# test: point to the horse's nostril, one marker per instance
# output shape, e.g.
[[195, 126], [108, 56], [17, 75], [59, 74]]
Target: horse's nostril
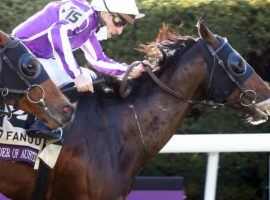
[[67, 109], [67, 112]]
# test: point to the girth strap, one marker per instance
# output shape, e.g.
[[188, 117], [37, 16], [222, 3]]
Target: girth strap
[[42, 182]]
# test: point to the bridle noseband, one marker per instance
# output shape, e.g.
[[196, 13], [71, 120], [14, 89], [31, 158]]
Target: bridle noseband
[[5, 91]]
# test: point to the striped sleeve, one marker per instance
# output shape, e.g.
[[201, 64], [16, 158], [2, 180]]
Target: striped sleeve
[[71, 18], [58, 37], [94, 54]]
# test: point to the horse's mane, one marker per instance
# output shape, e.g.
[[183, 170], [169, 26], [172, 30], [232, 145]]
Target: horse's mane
[[160, 53], [167, 44]]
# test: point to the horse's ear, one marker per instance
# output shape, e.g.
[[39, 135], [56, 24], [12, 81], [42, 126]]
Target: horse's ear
[[207, 35], [4, 39]]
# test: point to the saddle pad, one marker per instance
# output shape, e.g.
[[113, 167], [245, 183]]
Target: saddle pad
[[15, 145], [18, 153]]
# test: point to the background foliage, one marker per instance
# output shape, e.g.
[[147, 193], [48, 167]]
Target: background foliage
[[246, 24]]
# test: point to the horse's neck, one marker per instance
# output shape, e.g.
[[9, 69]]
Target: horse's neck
[[107, 136], [153, 113], [161, 114]]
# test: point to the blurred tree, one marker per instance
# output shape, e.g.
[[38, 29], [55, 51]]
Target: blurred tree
[[13, 12]]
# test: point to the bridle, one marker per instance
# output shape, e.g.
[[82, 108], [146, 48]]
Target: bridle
[[214, 59], [226, 60], [5, 91]]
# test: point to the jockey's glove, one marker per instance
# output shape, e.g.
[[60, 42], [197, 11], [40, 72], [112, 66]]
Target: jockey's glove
[[84, 81], [138, 70]]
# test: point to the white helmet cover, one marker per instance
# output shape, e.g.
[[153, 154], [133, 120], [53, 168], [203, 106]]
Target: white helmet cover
[[118, 6]]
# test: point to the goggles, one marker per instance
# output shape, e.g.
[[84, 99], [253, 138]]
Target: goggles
[[121, 20]]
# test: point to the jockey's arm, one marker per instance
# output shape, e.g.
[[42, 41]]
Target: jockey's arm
[[58, 37], [62, 50], [95, 55]]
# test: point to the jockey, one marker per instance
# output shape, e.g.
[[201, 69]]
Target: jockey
[[63, 26]]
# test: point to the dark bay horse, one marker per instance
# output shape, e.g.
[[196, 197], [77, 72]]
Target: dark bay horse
[[111, 140], [25, 84]]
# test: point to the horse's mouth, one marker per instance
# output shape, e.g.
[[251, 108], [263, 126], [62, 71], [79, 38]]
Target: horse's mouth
[[257, 117], [52, 120], [260, 113]]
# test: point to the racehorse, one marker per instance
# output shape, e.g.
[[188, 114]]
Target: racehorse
[[25, 84], [111, 139]]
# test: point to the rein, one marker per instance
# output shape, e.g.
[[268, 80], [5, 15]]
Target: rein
[[5, 91], [124, 90]]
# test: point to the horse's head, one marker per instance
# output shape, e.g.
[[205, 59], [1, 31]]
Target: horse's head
[[209, 71], [231, 79], [25, 84]]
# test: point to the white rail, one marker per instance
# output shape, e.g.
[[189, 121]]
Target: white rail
[[213, 144]]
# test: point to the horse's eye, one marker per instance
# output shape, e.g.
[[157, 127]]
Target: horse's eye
[[236, 64], [29, 66]]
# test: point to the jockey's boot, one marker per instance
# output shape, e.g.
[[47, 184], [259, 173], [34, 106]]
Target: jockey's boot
[[39, 129]]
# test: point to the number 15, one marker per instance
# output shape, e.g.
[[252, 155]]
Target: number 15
[[73, 16]]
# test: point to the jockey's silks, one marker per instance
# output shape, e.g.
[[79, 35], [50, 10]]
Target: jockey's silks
[[62, 27]]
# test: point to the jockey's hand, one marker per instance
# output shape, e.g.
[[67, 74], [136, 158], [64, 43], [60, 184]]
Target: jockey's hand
[[84, 82], [138, 70]]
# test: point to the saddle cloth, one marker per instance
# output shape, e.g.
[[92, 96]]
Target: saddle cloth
[[15, 145]]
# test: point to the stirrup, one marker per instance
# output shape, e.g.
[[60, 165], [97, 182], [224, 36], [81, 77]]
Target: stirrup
[[45, 134]]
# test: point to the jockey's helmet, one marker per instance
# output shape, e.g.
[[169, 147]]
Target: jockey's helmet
[[125, 8]]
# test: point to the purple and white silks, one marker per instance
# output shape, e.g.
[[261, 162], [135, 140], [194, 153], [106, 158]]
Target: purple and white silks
[[62, 27]]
